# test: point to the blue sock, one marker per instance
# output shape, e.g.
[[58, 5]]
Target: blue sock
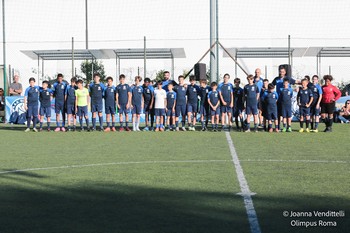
[[212, 126], [41, 124], [94, 122], [202, 124], [270, 126], [81, 122], [28, 122], [113, 124], [126, 123], [316, 125], [57, 124], [121, 124], [177, 123], [161, 125], [157, 126], [101, 121], [87, 122], [48, 124], [108, 124], [183, 123]]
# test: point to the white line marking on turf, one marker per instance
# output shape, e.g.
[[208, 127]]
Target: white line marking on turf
[[293, 161], [245, 191], [110, 164]]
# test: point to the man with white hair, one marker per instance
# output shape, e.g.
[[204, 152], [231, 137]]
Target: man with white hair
[[15, 87]]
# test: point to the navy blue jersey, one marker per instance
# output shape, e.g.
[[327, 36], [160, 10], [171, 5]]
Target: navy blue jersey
[[45, 97], [192, 94], [226, 90], [304, 96], [109, 95], [165, 84], [170, 99], [259, 83], [270, 100], [203, 94], [32, 94], [214, 98], [148, 92], [278, 82], [59, 91], [96, 92], [181, 95], [285, 96], [250, 94], [316, 91], [123, 93], [137, 93], [70, 93], [238, 94]]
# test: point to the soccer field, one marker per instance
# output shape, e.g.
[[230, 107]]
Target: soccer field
[[172, 181]]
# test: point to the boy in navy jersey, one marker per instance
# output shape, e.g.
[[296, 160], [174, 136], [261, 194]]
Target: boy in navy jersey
[[180, 107], [226, 97], [170, 110], [238, 105], [192, 103], [59, 93], [285, 98], [251, 97], [148, 98], [70, 103], [204, 109], [109, 96], [45, 96], [270, 98], [123, 95], [96, 93], [214, 103], [136, 103], [305, 98], [31, 97], [262, 103], [315, 108]]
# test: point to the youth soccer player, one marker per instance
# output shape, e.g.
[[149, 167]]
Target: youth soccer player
[[251, 97], [315, 108], [170, 110], [96, 93], [136, 103], [82, 101], [214, 103], [238, 105], [59, 93], [226, 97], [180, 108], [192, 103], [45, 97], [70, 103], [148, 99], [270, 98], [109, 96], [123, 95], [262, 106], [204, 109], [31, 97], [285, 98], [159, 106], [305, 98]]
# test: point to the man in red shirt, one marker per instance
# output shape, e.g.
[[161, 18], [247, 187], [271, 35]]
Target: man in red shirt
[[330, 95]]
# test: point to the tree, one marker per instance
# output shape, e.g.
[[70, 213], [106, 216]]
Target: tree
[[159, 75], [86, 68]]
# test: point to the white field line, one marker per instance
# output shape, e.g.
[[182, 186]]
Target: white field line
[[245, 191], [293, 161]]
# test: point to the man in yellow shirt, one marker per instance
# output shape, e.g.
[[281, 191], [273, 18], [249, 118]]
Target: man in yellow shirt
[[82, 101]]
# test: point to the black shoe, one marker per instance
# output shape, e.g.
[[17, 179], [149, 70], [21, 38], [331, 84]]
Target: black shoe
[[101, 129], [326, 130], [82, 130], [239, 129], [93, 129], [330, 129]]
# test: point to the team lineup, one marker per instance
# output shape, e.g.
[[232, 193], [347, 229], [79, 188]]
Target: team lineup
[[163, 103]]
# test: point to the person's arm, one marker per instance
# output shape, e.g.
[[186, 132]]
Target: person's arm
[[20, 89], [76, 104], [129, 104], [298, 98], [210, 104], [311, 100], [117, 99], [26, 99], [152, 99], [231, 93], [173, 108], [337, 94], [88, 99], [221, 98]]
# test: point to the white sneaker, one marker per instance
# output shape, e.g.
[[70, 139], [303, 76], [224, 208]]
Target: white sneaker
[[183, 129], [177, 129], [138, 129]]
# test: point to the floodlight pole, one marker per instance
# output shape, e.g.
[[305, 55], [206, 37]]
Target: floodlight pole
[[4, 47], [72, 57], [214, 33], [144, 57], [86, 25]]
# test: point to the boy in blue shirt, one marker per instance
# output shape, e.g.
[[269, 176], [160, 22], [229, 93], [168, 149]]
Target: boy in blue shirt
[[45, 96], [192, 103], [70, 103], [148, 98], [285, 98], [170, 110], [214, 103], [136, 103], [262, 106], [270, 98], [204, 108], [315, 108], [251, 97], [181, 101], [31, 97], [238, 105], [226, 97], [123, 95], [59, 93], [305, 98], [109, 96], [96, 93]]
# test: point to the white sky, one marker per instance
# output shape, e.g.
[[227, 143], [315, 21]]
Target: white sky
[[49, 24]]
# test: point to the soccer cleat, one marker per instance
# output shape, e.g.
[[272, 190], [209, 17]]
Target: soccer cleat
[[157, 129], [247, 131], [161, 129], [107, 129], [27, 130], [256, 130], [276, 130], [82, 129], [215, 130], [57, 129], [93, 129], [35, 130], [284, 130], [63, 129], [40, 129], [183, 129], [289, 129], [271, 130], [301, 130], [315, 131], [326, 130], [307, 130], [127, 129], [102, 129], [138, 129], [69, 130], [203, 129], [121, 129], [177, 129], [152, 129], [167, 130], [113, 129], [146, 129], [48, 130]]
